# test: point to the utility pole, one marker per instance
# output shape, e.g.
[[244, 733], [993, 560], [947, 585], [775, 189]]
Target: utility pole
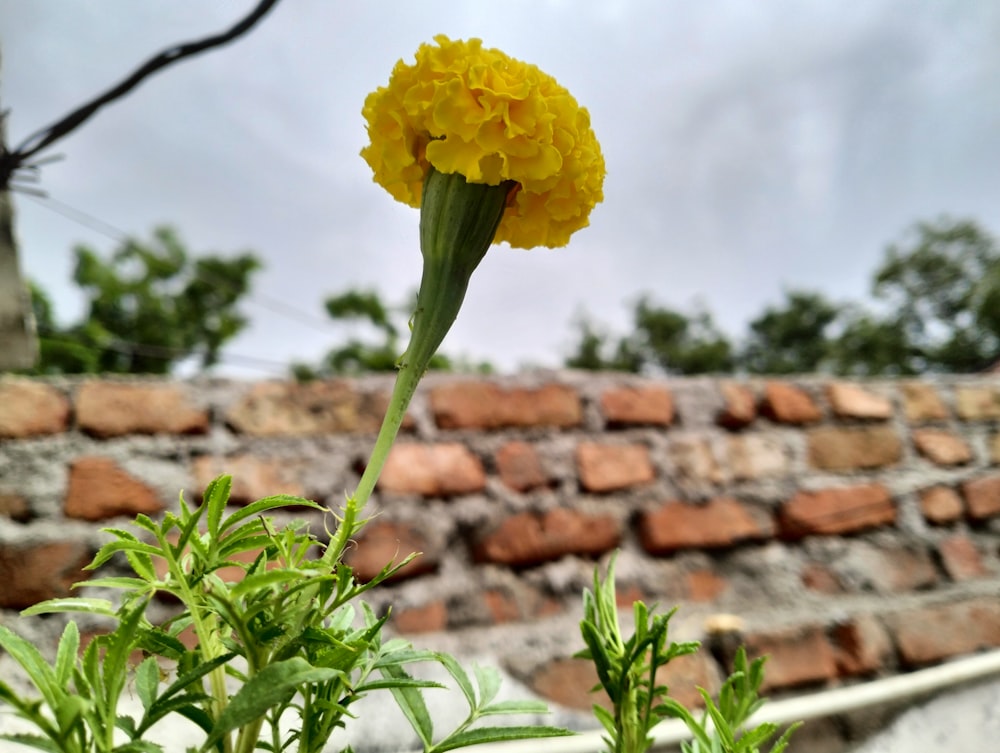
[[18, 341]]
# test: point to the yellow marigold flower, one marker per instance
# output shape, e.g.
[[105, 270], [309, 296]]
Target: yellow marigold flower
[[466, 109]]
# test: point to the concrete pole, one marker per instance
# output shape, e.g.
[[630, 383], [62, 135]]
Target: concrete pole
[[18, 341]]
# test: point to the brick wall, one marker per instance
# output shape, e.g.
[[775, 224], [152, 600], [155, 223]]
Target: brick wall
[[852, 528]]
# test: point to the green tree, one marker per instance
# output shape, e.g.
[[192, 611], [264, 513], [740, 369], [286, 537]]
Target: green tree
[[663, 339], [148, 307], [943, 292], [794, 338]]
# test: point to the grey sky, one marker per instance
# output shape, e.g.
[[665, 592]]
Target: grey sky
[[750, 146]]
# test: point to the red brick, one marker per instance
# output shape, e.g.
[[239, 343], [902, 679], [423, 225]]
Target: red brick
[[994, 445], [99, 489], [837, 510], [529, 539], [15, 507], [894, 569], [721, 522], [942, 447], [29, 409], [853, 401], [568, 682], [482, 405], [922, 403], [637, 406], [796, 656], [941, 504], [961, 559], [862, 646], [31, 573], [930, 634], [114, 409], [274, 409], [502, 606], [520, 468], [980, 403], [693, 459], [739, 406], [382, 542], [253, 477], [430, 618], [685, 674], [982, 496], [608, 467], [703, 585], [753, 456], [439, 470], [834, 448], [787, 404], [819, 578]]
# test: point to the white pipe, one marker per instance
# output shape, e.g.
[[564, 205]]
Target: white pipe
[[817, 705]]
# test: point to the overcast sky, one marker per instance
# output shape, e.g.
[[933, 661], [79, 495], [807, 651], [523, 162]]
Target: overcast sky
[[751, 147]]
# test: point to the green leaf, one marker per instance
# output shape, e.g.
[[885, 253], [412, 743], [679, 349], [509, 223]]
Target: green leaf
[[488, 680], [264, 580], [274, 685], [215, 498], [31, 660], [147, 680], [267, 503], [115, 582], [411, 703], [138, 746], [396, 682], [514, 707], [69, 645], [34, 741], [461, 678], [73, 604], [481, 735], [107, 551]]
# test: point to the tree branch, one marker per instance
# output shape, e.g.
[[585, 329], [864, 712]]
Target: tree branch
[[45, 137]]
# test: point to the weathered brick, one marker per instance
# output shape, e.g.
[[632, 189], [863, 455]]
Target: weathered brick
[[994, 445], [853, 401], [685, 674], [739, 406], [30, 409], [568, 682], [15, 507], [862, 646], [796, 656], [114, 409], [692, 459], [837, 510], [253, 477], [520, 468], [890, 569], [637, 406], [429, 618], [926, 635], [610, 467], [753, 456], [836, 448], [942, 447], [439, 470], [819, 578], [922, 403], [529, 539], [788, 404], [31, 573], [982, 497], [961, 559], [383, 541], [980, 403], [721, 522], [99, 488], [703, 585], [941, 504], [272, 409], [482, 405]]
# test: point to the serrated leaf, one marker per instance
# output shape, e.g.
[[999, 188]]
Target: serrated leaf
[[266, 579], [110, 549], [138, 746], [514, 707], [33, 741], [455, 669], [273, 685], [267, 503], [72, 604], [33, 663], [398, 682], [215, 498], [488, 680], [69, 645], [147, 680], [411, 703], [481, 735]]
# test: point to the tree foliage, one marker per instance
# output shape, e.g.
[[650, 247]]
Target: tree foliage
[[936, 309], [148, 307]]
